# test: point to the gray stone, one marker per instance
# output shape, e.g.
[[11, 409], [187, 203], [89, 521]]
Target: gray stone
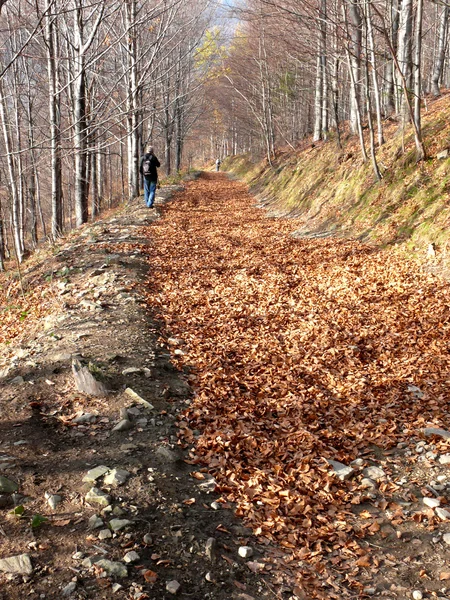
[[84, 418], [443, 154], [131, 557], [17, 565], [209, 485], [117, 511], [115, 569], [85, 382], [104, 534], [374, 473], [342, 471], [442, 513], [123, 425], [91, 560], [166, 455], [148, 539], [444, 459], [95, 522], [95, 473], [431, 502], [245, 551], [368, 484], [116, 588], [116, 477], [118, 524], [446, 538], [415, 391], [173, 587], [53, 500], [7, 486], [136, 398], [69, 589], [429, 431], [131, 371], [17, 380], [96, 496], [358, 462], [417, 595], [78, 556], [210, 548]]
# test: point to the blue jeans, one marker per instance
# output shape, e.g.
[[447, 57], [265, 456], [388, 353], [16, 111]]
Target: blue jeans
[[149, 191]]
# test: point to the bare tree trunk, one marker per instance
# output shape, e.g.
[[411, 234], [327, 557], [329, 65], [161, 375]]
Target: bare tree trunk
[[417, 65], [376, 89], [318, 98], [2, 244], [12, 173], [81, 46], [354, 56], [132, 101], [55, 122], [442, 45], [390, 95], [404, 56]]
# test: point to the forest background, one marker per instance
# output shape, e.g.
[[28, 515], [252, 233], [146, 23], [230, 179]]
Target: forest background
[[85, 86]]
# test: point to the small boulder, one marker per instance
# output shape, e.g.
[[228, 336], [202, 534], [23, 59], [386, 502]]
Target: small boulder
[[374, 472], [431, 502], [53, 500], [429, 431], [7, 486], [93, 474], [123, 425], [85, 382], [96, 496], [115, 569], [341, 471], [442, 513], [118, 524], [116, 477], [104, 534], [444, 459], [131, 557], [173, 587], [69, 589], [17, 565], [95, 522], [210, 548], [245, 551], [136, 398]]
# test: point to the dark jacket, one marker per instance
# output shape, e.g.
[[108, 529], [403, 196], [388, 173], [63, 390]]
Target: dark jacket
[[154, 163]]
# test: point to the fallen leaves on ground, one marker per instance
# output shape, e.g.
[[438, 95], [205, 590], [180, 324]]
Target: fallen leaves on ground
[[300, 351]]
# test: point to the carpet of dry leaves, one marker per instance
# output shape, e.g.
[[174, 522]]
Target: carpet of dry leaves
[[300, 350]]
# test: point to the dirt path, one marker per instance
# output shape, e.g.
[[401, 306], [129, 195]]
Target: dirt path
[[95, 495], [302, 352]]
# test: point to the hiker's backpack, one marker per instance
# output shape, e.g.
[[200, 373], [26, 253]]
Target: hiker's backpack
[[146, 166]]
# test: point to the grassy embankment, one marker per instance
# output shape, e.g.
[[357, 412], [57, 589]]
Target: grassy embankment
[[330, 189]]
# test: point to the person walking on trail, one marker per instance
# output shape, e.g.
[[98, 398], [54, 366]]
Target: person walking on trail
[[148, 169], [218, 164]]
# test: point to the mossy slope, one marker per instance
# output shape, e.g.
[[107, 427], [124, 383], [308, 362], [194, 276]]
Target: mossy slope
[[330, 189]]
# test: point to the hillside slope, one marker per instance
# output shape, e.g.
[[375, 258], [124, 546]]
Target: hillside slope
[[330, 189]]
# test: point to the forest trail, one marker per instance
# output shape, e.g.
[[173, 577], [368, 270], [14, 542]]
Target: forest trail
[[302, 352]]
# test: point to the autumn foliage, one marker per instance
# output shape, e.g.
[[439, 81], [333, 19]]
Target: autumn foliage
[[299, 351]]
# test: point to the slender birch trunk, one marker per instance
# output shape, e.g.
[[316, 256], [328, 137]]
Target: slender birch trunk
[[55, 121], [441, 51], [417, 71]]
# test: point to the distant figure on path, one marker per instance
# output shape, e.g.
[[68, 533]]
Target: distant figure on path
[[148, 169], [218, 164]]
